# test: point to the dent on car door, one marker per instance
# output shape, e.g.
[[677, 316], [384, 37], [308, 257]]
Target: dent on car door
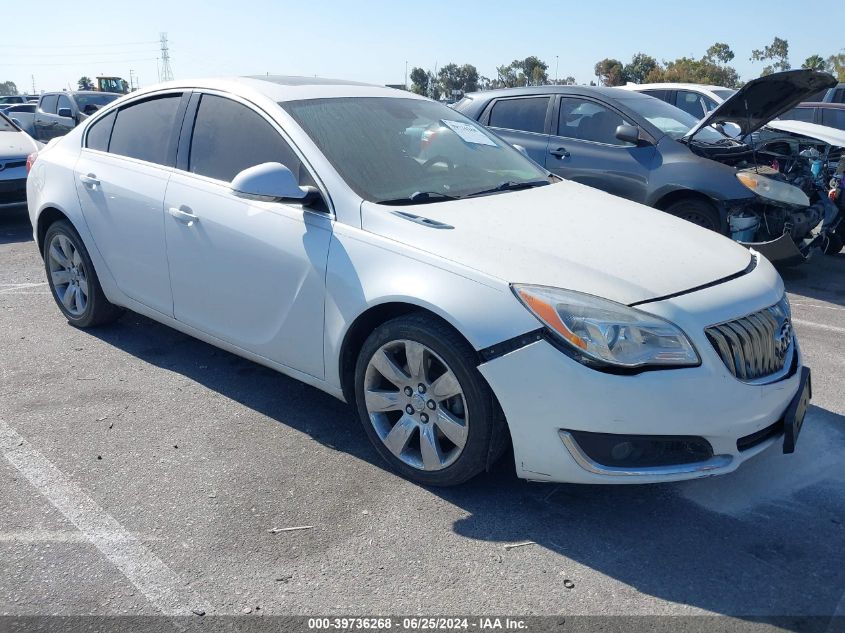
[[522, 121], [121, 178], [586, 150], [248, 272]]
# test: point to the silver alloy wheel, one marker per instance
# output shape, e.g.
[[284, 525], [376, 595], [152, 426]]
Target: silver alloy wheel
[[416, 405], [68, 275]]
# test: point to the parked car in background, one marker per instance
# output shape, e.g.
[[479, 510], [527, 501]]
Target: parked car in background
[[23, 114], [451, 289], [15, 148], [695, 99], [646, 150], [836, 94], [819, 112], [6, 99], [59, 112]]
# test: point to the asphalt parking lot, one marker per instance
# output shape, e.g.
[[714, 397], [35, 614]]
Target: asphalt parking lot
[[143, 472]]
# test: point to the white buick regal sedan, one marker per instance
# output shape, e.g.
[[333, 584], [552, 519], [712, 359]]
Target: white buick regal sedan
[[391, 252]]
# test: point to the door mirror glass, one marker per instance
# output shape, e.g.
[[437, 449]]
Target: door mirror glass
[[67, 113], [628, 133], [271, 181]]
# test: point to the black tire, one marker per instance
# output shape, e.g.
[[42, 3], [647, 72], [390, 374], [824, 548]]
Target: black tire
[[833, 244], [97, 309], [483, 414], [699, 212]]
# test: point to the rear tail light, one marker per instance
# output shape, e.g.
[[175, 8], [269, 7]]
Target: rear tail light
[[30, 161]]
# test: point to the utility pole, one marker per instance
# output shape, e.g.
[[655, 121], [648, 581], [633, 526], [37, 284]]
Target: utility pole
[[131, 80], [166, 71], [406, 74], [557, 62], [33, 85]]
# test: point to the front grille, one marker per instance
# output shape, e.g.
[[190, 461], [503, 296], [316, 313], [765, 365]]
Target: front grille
[[758, 345]]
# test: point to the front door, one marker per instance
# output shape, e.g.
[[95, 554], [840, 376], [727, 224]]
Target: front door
[[586, 150], [247, 272]]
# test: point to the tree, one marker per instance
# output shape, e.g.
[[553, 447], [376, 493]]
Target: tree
[[815, 62], [696, 71], [610, 72], [777, 52], [462, 79], [569, 81], [419, 81], [8, 88], [719, 52], [531, 71], [836, 65], [639, 68], [85, 83]]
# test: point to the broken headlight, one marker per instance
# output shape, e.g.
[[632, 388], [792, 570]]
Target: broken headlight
[[773, 190], [605, 333]]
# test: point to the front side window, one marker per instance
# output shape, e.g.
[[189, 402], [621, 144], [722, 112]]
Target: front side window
[[589, 121], [392, 148], [64, 102], [90, 103], [670, 120], [833, 117], [145, 130], [799, 114], [526, 115], [100, 132], [48, 104], [839, 95], [690, 102], [230, 137]]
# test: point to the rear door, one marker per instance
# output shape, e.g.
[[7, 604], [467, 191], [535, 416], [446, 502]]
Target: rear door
[[522, 121], [121, 178], [248, 272], [585, 149]]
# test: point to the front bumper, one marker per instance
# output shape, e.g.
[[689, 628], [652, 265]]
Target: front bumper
[[545, 394]]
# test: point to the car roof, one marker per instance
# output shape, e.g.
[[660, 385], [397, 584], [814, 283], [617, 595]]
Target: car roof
[[599, 91], [285, 88], [675, 86], [77, 92]]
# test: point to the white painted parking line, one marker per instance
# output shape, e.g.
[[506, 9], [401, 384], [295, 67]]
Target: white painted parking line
[[160, 584], [820, 326], [815, 305], [15, 288]]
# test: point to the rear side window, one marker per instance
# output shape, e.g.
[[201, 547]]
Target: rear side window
[[839, 95], [230, 137], [663, 95], [799, 114], [48, 104], [690, 102], [100, 132], [833, 117], [528, 115], [145, 130]]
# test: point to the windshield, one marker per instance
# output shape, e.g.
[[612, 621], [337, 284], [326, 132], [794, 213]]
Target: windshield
[[92, 102], [389, 149], [6, 125], [724, 94], [670, 120]]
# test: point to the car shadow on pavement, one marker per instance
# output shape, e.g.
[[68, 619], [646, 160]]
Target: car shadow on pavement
[[737, 545], [15, 226], [821, 278]]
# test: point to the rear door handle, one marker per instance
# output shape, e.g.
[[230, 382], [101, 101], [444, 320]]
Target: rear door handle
[[184, 215], [90, 180], [560, 152]]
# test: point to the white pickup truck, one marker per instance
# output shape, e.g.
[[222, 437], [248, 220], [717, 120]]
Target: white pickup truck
[[22, 114]]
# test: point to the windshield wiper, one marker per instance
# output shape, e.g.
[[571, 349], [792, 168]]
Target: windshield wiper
[[510, 185], [419, 197]]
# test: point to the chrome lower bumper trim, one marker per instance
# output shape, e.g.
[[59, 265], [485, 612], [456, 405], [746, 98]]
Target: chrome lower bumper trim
[[714, 463]]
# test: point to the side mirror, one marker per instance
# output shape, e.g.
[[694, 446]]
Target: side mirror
[[269, 181], [628, 133], [17, 122], [521, 150], [66, 113]]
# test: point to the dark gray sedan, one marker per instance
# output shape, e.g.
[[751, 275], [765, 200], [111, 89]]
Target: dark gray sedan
[[643, 149]]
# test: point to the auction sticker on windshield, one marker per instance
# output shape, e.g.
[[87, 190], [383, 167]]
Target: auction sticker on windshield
[[469, 133]]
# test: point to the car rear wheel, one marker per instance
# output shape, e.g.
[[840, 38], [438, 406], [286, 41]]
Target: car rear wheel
[[73, 280], [697, 211], [423, 403]]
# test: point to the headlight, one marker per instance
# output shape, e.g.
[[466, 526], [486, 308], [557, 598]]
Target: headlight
[[601, 332], [773, 190]]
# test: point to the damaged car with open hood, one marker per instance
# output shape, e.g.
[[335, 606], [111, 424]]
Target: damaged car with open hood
[[646, 150]]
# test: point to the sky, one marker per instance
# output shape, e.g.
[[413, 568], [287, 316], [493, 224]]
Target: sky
[[371, 41]]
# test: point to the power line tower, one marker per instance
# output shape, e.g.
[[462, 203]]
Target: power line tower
[[166, 71], [33, 84]]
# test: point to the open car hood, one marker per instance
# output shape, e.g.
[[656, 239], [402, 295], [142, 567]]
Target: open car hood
[[765, 98]]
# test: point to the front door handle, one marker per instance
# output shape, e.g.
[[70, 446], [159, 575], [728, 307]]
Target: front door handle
[[184, 215], [90, 180], [560, 152]]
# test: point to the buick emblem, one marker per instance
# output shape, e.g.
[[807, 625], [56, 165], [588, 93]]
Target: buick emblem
[[783, 339]]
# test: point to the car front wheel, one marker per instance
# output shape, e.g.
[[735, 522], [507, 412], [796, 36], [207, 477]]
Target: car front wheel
[[423, 403]]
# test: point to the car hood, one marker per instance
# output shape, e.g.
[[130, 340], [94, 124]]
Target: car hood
[[16, 144], [823, 133], [765, 98], [566, 235]]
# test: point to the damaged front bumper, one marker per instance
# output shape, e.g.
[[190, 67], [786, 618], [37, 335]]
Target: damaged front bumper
[[783, 251]]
